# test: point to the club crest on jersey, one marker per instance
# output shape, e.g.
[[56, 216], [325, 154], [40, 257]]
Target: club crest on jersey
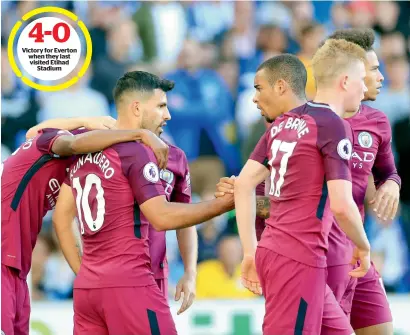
[[166, 176], [151, 172], [344, 149], [365, 139]]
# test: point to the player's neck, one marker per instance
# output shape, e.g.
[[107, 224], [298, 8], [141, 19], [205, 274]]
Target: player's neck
[[125, 124], [331, 98], [348, 115], [295, 102]]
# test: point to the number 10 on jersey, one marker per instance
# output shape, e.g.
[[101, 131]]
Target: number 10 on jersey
[[82, 202], [287, 149]]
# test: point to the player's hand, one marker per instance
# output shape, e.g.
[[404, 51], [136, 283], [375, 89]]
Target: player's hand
[[100, 122], [187, 286], [225, 185], [228, 201], [249, 275], [386, 201], [158, 146], [363, 257]]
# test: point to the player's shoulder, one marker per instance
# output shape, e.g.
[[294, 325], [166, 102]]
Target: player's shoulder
[[321, 113], [173, 147], [131, 149], [371, 112], [374, 114], [327, 122], [176, 151]]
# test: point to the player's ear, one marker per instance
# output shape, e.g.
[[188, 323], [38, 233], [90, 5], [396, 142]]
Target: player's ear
[[281, 87], [344, 82], [136, 108]]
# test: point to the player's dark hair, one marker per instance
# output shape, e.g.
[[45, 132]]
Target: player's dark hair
[[289, 68], [363, 37], [140, 81]]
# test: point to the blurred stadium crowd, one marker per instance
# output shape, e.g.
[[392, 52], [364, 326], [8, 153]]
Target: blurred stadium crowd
[[211, 50]]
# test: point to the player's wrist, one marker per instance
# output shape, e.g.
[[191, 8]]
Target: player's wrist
[[190, 272], [365, 249], [140, 134], [394, 181], [249, 254]]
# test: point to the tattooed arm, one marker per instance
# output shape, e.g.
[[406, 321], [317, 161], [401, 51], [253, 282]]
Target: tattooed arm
[[226, 185], [262, 207]]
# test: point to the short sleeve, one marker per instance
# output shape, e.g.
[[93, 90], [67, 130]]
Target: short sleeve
[[140, 167], [47, 137], [182, 188], [334, 140], [259, 154]]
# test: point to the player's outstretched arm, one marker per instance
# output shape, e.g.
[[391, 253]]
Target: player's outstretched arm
[[93, 141], [63, 218], [348, 217], [226, 185], [252, 174], [164, 215], [91, 123]]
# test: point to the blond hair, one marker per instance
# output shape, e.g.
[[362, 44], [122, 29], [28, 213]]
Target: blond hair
[[334, 57]]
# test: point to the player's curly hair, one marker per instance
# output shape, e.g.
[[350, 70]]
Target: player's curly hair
[[363, 37], [334, 57], [289, 68], [140, 81]]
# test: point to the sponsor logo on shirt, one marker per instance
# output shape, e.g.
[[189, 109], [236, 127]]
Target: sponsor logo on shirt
[[151, 172], [344, 149], [365, 139], [167, 176], [359, 158], [52, 195]]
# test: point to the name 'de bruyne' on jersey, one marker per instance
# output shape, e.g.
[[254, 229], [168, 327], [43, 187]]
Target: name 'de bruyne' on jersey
[[293, 124]]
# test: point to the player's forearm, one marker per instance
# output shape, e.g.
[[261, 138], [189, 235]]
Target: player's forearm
[[94, 141], [262, 206], [69, 244], [349, 219], [385, 169], [245, 204], [188, 247], [165, 215], [63, 123]]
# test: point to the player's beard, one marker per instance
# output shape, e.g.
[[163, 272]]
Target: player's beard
[[269, 120]]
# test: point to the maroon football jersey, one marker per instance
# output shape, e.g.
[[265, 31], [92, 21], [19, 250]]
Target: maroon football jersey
[[30, 184], [307, 147], [372, 153], [177, 184], [109, 186]]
